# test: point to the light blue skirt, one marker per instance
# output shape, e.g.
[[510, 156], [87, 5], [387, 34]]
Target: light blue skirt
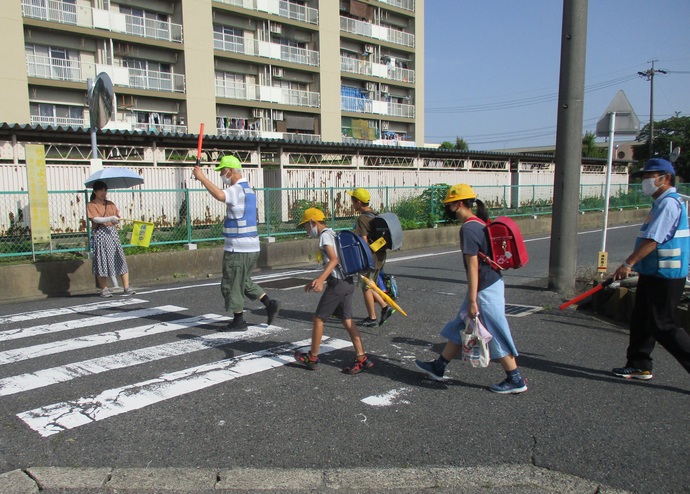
[[492, 312]]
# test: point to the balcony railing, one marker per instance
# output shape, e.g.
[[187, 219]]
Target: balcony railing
[[68, 13], [362, 67], [401, 4], [58, 121], [157, 81], [365, 105], [282, 8], [252, 47], [51, 10], [45, 67], [376, 31], [255, 92], [269, 135], [174, 129]]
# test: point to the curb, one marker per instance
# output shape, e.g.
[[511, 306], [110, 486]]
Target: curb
[[525, 478]]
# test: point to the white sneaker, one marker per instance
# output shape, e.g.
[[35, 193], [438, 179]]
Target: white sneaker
[[105, 293], [129, 291]]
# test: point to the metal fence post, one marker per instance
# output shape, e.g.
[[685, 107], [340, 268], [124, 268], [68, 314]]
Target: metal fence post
[[189, 216]]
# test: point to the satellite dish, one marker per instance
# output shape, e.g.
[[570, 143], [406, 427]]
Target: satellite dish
[[674, 154], [101, 101]]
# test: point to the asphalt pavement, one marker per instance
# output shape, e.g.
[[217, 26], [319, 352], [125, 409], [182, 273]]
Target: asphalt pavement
[[263, 423]]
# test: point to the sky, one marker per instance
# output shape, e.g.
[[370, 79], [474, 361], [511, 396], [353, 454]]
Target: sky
[[492, 67]]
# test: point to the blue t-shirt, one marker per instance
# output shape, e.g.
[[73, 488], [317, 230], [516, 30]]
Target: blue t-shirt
[[473, 240]]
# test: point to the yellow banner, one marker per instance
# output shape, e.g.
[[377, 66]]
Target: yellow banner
[[38, 193]]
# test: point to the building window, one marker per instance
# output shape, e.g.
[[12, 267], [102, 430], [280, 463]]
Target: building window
[[228, 39], [145, 23]]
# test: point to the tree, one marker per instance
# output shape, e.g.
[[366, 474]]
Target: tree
[[674, 130], [590, 148], [460, 145]]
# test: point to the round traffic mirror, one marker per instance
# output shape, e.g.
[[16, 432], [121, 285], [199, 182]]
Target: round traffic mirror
[[101, 101]]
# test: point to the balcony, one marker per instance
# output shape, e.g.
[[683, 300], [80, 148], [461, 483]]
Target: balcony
[[255, 92], [167, 128], [365, 105], [401, 4], [291, 136], [255, 48], [144, 78], [58, 121], [67, 13], [281, 8], [376, 31], [58, 69], [362, 67]]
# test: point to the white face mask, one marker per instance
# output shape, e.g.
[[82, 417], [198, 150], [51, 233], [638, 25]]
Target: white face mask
[[649, 186], [313, 231], [226, 179]]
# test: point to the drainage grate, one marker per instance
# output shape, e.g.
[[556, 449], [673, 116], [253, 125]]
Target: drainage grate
[[285, 283], [521, 310]]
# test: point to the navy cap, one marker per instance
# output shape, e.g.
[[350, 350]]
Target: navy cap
[[656, 165]]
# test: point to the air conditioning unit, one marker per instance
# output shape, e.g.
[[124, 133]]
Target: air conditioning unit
[[276, 28], [278, 115], [385, 125], [277, 72], [258, 113], [384, 88], [371, 86], [368, 49]]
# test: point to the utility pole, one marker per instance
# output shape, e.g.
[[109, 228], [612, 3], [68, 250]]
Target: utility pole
[[649, 75], [566, 190]]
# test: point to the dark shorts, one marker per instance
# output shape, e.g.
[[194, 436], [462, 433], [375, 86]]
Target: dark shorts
[[336, 299]]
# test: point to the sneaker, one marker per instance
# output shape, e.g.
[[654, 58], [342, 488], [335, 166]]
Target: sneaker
[[429, 369], [235, 325], [509, 387], [367, 322], [359, 366], [272, 311], [307, 360], [105, 293], [386, 312], [129, 291], [633, 373]]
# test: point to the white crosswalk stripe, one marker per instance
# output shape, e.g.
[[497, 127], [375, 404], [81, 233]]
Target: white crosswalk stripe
[[51, 419], [14, 334], [76, 309], [71, 413]]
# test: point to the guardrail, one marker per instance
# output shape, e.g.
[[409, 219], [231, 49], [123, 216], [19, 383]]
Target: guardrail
[[191, 216]]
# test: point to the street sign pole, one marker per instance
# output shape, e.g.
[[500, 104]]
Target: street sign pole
[[609, 165]]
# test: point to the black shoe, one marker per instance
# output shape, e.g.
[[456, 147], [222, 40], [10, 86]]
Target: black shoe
[[367, 322], [235, 325], [272, 311], [386, 313]]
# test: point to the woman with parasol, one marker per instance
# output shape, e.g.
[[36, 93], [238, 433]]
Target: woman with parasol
[[108, 256]]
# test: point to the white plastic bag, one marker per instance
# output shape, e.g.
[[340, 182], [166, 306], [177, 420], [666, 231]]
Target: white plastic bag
[[475, 343]]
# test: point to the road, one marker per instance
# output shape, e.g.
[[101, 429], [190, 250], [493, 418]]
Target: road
[[148, 381]]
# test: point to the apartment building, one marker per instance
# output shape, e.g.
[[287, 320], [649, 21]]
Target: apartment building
[[312, 70]]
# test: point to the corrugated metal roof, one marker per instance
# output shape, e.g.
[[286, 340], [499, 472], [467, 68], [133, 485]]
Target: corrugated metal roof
[[55, 134]]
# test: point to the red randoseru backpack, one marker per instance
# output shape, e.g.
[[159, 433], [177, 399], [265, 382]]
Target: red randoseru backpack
[[508, 250]]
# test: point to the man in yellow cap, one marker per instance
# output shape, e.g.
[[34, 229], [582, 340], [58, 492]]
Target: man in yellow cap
[[241, 241], [337, 296], [364, 228]]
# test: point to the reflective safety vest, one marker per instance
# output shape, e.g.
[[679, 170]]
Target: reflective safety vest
[[246, 225], [669, 259]]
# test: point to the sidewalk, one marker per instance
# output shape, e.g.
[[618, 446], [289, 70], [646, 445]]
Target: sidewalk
[[488, 480]]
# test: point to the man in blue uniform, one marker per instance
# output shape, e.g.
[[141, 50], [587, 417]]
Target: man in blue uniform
[[662, 251], [241, 241]]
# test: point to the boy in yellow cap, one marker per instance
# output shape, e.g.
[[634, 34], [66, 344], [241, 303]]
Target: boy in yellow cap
[[364, 228], [337, 296], [241, 249]]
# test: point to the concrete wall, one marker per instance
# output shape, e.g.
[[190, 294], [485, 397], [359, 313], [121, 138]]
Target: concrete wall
[[65, 278]]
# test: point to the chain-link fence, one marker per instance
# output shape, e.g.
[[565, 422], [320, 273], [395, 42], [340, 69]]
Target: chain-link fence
[[192, 216]]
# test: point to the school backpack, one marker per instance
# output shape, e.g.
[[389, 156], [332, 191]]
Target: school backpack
[[386, 227], [508, 250], [354, 255]]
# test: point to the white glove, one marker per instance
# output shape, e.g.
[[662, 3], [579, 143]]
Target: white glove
[[114, 219]]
